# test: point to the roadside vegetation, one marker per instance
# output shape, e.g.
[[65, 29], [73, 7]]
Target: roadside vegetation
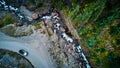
[[98, 26], [7, 19], [13, 60]]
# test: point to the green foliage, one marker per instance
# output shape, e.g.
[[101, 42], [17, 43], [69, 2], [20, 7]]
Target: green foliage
[[7, 20], [74, 12], [91, 42], [89, 13], [110, 17], [114, 30], [98, 31], [1, 24], [114, 60], [97, 10], [59, 4], [37, 26], [32, 1]]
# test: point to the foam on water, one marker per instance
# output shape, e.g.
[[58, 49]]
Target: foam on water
[[11, 8]]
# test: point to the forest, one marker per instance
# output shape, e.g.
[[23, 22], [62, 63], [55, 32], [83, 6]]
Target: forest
[[98, 25]]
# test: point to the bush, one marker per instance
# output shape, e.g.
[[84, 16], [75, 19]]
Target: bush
[[7, 20]]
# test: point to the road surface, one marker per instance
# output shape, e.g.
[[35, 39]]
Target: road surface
[[38, 57]]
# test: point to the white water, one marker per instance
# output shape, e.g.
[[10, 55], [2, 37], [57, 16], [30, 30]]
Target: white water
[[80, 51], [6, 7], [11, 8], [46, 17], [69, 39]]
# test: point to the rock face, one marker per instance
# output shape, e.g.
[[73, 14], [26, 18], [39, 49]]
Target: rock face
[[35, 16], [44, 12], [26, 13], [14, 31]]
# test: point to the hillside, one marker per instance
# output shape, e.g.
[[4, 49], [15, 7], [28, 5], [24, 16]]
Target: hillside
[[98, 25]]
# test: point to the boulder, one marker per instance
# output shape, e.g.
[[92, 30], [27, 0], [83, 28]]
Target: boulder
[[35, 16]]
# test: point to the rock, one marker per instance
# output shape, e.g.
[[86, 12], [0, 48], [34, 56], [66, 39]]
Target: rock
[[62, 29], [8, 30], [55, 13], [19, 24], [23, 31], [27, 14], [44, 12], [17, 31], [35, 16]]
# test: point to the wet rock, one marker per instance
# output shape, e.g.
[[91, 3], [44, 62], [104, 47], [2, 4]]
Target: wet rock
[[44, 12], [25, 12], [19, 24], [55, 14], [62, 29]]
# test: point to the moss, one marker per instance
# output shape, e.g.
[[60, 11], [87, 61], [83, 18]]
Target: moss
[[37, 26], [7, 20], [49, 32]]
